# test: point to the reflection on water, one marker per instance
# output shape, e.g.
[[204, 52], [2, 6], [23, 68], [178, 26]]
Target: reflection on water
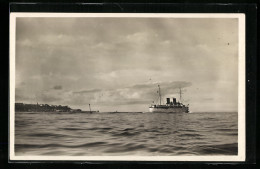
[[79, 134]]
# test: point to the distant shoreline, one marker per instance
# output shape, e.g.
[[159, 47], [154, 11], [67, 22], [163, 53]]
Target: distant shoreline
[[22, 107]]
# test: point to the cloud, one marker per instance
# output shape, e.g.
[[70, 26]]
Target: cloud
[[87, 91], [207, 99], [20, 97], [136, 94], [44, 98], [58, 87]]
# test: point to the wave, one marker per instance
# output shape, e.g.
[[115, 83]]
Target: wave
[[126, 133], [226, 149], [47, 135], [91, 144], [190, 135]]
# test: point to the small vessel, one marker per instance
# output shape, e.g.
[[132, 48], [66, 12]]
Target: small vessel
[[170, 106]]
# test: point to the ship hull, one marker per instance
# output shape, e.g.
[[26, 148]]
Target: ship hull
[[169, 110]]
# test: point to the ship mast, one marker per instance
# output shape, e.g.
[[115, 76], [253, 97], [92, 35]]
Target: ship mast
[[89, 108], [180, 95], [159, 93]]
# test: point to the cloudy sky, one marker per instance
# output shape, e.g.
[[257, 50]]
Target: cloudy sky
[[117, 63]]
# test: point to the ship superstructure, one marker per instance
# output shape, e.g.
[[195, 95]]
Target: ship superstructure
[[170, 106]]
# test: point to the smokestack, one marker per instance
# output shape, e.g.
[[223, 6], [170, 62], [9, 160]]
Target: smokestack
[[174, 100], [168, 100]]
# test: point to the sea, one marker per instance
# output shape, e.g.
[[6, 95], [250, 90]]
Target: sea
[[126, 134]]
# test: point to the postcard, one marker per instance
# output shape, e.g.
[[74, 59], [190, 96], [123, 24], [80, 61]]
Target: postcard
[[127, 87]]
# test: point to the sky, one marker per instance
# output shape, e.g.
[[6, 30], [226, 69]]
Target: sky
[[116, 64]]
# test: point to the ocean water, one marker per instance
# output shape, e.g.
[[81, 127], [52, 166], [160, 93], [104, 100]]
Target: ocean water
[[149, 134]]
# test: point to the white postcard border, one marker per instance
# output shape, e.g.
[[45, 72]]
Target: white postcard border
[[241, 89]]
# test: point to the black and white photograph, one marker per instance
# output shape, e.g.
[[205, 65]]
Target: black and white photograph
[[127, 87]]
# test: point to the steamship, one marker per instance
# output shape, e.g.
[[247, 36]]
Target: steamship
[[169, 107]]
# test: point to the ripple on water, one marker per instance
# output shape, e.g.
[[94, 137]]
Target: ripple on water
[[126, 134]]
